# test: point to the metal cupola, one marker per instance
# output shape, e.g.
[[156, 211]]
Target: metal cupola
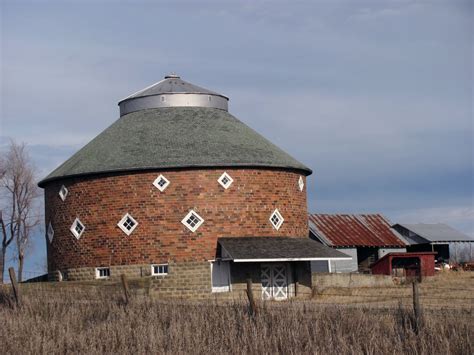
[[172, 91]]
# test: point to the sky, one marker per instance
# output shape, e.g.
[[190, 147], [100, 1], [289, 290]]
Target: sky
[[375, 96]]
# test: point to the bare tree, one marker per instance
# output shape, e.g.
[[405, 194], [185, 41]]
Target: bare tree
[[19, 210]]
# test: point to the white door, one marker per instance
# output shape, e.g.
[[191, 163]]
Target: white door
[[274, 281], [220, 276]]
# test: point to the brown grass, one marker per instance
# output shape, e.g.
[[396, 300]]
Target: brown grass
[[96, 321]]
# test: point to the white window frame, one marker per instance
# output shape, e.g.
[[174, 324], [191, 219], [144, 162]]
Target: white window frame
[[50, 232], [73, 228], [123, 220], [97, 272], [280, 217], [301, 183], [228, 177], [63, 191], [153, 273], [195, 228], [157, 180]]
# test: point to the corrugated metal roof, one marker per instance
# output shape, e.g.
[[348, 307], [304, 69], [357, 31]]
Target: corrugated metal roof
[[437, 232], [344, 230]]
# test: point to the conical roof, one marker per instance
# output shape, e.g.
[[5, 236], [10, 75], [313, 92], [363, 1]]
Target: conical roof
[[172, 83], [172, 91], [174, 137]]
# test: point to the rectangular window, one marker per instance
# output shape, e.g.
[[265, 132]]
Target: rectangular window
[[161, 269], [220, 276], [102, 273]]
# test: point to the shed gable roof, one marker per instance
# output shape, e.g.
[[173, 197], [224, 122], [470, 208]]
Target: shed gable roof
[[345, 230], [242, 249]]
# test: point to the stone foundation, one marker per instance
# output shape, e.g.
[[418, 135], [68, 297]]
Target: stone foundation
[[192, 280]]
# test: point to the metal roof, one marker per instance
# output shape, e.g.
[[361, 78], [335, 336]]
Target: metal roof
[[171, 84], [346, 230], [175, 137], [260, 249], [172, 91], [436, 232]]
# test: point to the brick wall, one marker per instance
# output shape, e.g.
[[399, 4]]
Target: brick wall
[[160, 237]]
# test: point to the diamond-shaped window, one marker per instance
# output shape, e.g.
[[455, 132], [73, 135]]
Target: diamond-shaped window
[[50, 232], [276, 219], [161, 183], [127, 224], [225, 180], [192, 221], [301, 183], [77, 228], [63, 191]]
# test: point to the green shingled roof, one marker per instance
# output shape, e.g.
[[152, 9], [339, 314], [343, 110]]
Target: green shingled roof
[[175, 137]]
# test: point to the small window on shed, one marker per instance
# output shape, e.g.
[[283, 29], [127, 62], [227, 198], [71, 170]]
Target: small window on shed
[[50, 232], [225, 180], [127, 224], [159, 269], [77, 228], [192, 221], [102, 273], [161, 183], [276, 219], [301, 183], [63, 191]]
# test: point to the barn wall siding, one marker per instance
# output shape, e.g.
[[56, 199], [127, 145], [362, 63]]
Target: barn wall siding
[[345, 265], [319, 266], [160, 237]]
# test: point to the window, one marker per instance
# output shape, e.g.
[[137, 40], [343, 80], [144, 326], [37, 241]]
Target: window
[[225, 180], [50, 232], [102, 273], [63, 191], [276, 219], [77, 228], [160, 269], [161, 183], [127, 224], [192, 221], [301, 183]]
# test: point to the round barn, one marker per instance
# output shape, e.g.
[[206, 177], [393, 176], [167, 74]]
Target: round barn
[[179, 190]]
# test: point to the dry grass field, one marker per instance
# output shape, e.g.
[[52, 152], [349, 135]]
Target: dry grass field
[[96, 321]]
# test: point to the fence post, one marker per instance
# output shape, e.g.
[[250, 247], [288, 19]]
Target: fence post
[[125, 288], [417, 307], [253, 306], [16, 291]]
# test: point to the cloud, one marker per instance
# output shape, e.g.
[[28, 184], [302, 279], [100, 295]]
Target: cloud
[[375, 97]]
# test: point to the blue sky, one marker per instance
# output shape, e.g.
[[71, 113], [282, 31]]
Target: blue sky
[[375, 96]]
